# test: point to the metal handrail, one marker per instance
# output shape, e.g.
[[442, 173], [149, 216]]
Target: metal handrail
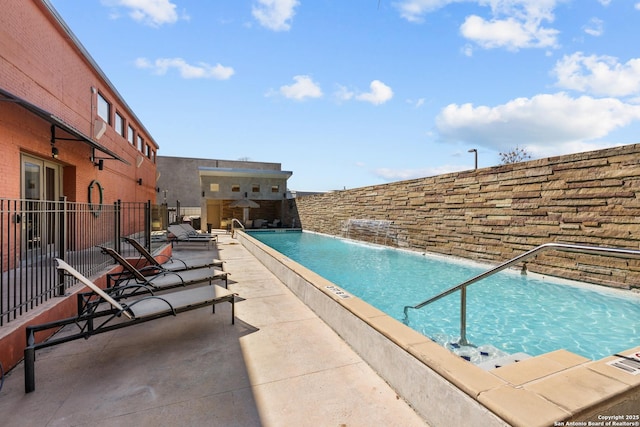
[[462, 287], [233, 229]]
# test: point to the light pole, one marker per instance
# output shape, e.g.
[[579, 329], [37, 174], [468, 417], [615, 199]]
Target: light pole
[[475, 152]]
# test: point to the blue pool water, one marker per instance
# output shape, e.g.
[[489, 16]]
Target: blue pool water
[[508, 311]]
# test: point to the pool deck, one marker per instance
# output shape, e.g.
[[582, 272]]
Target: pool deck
[[279, 365]]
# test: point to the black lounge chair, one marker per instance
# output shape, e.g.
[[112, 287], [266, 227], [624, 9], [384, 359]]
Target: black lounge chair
[[156, 278], [171, 264], [93, 318]]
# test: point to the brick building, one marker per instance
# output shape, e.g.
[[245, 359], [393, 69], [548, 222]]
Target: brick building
[[65, 132], [64, 128]]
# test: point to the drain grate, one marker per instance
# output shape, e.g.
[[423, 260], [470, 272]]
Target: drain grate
[[629, 363]]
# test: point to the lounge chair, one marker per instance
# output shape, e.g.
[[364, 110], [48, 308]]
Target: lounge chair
[[156, 278], [178, 233], [93, 318], [193, 232], [171, 264]]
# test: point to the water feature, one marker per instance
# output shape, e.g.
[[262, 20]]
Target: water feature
[[508, 311], [368, 230]]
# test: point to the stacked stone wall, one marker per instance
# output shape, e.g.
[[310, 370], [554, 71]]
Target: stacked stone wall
[[494, 214]]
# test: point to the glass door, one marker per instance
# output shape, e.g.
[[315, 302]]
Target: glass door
[[40, 191]]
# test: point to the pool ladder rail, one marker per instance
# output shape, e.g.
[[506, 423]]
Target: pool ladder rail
[[462, 287], [233, 227]]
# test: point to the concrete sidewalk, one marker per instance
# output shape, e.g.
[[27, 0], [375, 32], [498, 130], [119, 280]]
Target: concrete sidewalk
[[279, 365]]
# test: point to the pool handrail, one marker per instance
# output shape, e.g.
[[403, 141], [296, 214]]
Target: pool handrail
[[233, 229], [462, 287]]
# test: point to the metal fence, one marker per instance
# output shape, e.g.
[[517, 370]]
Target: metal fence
[[33, 233]]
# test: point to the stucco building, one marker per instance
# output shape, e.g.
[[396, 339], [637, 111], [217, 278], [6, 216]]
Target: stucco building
[[214, 191]]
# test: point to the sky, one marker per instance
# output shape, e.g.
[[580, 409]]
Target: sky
[[352, 93]]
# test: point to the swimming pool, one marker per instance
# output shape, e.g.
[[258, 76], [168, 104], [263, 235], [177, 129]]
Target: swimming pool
[[510, 312]]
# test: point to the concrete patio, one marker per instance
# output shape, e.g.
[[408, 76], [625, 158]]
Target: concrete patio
[[279, 365]]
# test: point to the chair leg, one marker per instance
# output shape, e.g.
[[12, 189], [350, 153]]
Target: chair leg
[[29, 369]]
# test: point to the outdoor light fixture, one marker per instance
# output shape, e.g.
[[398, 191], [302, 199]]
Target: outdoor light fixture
[[139, 181], [473, 150], [54, 151], [99, 164]]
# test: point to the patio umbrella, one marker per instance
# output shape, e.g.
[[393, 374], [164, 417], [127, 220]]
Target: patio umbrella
[[245, 204]]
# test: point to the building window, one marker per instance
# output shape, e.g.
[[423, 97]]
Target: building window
[[147, 151], [214, 188], [140, 144], [235, 188], [119, 124], [255, 188], [275, 188], [104, 109], [131, 135]]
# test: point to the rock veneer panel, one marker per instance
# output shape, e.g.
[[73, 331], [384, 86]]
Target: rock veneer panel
[[494, 214]]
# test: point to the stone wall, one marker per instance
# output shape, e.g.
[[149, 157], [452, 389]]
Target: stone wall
[[494, 214]]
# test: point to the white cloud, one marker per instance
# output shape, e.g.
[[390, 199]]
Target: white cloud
[[304, 87], [379, 93], [513, 24], [343, 93], [149, 12], [637, 6], [595, 27], [199, 71], [547, 124], [415, 10], [599, 75], [275, 15]]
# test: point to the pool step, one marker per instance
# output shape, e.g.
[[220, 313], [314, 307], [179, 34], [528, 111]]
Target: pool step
[[485, 356], [503, 361]]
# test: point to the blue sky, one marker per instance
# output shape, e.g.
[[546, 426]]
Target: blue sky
[[349, 93]]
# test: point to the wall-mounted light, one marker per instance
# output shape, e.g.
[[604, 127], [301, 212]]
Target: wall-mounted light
[[139, 181], [54, 151], [99, 164]]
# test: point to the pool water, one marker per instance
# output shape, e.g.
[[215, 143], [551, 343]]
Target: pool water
[[508, 311]]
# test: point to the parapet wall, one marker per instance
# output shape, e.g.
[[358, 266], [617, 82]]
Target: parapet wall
[[494, 214]]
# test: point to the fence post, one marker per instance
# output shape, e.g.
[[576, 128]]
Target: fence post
[[117, 224], [62, 242], [147, 225]]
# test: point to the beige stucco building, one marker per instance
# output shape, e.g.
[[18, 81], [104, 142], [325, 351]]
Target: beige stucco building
[[209, 189]]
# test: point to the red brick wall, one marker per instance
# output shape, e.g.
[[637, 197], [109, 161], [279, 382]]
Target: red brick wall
[[40, 65]]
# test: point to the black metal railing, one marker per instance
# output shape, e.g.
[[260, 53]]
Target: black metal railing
[[33, 233]]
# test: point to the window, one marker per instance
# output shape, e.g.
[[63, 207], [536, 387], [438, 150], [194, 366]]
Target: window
[[104, 109], [131, 135], [147, 151], [140, 144], [214, 187], [275, 188], [235, 188], [119, 124], [255, 188]]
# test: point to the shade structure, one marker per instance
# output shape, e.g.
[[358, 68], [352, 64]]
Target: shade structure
[[245, 204]]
